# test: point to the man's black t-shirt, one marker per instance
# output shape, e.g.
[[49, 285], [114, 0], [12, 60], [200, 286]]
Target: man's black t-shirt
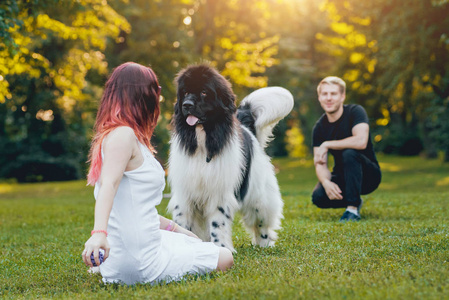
[[323, 130]]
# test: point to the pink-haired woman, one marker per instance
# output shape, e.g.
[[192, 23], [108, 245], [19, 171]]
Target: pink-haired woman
[[139, 245]]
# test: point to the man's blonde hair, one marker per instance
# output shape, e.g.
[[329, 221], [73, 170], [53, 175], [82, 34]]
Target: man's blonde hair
[[333, 80]]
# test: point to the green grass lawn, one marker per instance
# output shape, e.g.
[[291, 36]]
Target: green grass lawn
[[400, 249]]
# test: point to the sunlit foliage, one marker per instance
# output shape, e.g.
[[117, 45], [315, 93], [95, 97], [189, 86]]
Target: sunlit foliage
[[85, 25], [55, 57], [396, 60], [46, 58]]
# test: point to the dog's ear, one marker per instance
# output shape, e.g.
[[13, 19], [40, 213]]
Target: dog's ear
[[176, 108], [179, 84], [225, 94], [178, 81], [228, 99]]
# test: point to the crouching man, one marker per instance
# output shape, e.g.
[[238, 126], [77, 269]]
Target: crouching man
[[343, 131]]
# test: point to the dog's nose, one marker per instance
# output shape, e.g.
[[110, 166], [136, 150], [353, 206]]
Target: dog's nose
[[187, 104]]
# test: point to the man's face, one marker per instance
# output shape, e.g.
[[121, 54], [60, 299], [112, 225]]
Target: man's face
[[330, 97]]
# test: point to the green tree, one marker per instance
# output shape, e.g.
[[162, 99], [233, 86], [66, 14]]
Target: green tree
[[302, 64], [50, 50], [396, 59]]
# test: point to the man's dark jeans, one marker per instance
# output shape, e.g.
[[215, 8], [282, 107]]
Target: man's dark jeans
[[359, 176]]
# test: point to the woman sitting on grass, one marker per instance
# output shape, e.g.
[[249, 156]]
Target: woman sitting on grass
[[139, 245]]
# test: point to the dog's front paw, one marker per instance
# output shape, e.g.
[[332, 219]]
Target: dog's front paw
[[264, 241]]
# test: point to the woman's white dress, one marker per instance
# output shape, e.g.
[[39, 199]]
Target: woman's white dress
[[140, 251]]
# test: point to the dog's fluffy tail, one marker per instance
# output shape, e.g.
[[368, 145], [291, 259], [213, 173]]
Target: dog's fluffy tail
[[261, 110]]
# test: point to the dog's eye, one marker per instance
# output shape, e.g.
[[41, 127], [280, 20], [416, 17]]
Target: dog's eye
[[203, 93]]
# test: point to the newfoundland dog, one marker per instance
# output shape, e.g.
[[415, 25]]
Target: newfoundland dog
[[217, 162]]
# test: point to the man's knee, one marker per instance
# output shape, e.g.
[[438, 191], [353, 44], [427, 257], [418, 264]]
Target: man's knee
[[318, 199], [350, 155]]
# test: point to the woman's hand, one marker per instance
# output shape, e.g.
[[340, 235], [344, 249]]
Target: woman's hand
[[96, 242], [182, 230], [167, 224]]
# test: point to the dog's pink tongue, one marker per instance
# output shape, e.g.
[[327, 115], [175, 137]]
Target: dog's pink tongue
[[191, 120]]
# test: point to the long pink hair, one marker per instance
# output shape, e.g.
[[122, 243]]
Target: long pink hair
[[130, 98]]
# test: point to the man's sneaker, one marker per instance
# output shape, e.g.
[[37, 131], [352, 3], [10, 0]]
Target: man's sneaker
[[349, 216]]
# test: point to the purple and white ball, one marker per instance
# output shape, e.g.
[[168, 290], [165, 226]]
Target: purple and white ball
[[100, 257]]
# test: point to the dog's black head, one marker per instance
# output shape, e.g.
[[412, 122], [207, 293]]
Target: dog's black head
[[203, 94], [204, 97]]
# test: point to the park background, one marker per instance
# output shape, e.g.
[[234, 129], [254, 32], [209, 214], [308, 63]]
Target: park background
[[55, 57]]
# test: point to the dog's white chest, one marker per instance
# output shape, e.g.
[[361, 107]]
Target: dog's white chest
[[194, 175]]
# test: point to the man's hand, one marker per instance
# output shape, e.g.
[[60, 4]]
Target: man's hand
[[320, 154], [333, 191]]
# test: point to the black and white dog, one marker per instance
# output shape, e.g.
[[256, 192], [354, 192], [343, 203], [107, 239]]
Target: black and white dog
[[217, 162]]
